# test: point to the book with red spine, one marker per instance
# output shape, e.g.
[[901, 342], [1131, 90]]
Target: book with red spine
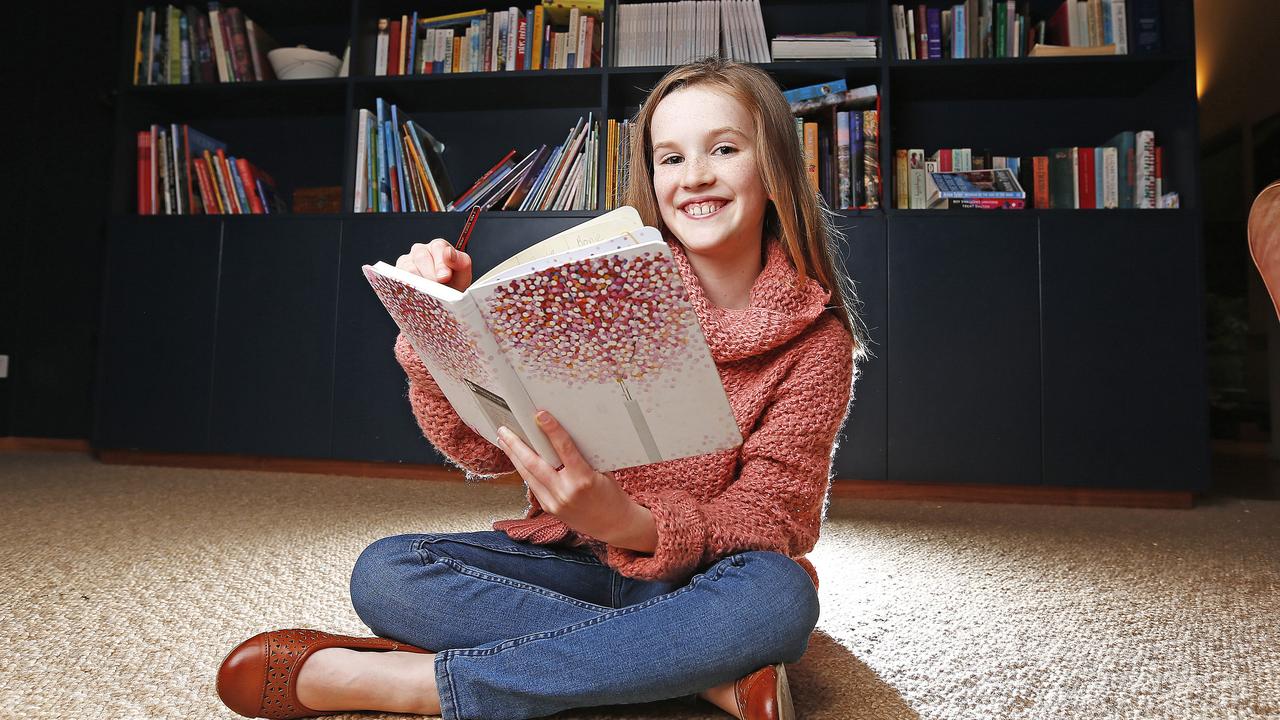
[[945, 160], [393, 48], [208, 193], [986, 204], [483, 179], [1087, 181], [522, 42], [240, 45], [1040, 170], [144, 172], [246, 177]]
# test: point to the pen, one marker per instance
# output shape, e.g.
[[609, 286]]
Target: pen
[[461, 245]]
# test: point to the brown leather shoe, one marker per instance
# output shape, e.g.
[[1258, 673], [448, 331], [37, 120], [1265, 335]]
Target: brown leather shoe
[[259, 678], [764, 695]]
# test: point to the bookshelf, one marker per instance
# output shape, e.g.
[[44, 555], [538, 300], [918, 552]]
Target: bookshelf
[[1034, 347]]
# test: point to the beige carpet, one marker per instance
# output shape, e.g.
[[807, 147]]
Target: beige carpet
[[125, 586]]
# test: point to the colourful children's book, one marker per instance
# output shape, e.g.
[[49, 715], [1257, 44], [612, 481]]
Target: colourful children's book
[[593, 325]]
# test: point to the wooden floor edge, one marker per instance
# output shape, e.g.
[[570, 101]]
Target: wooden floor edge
[[861, 489], [38, 444]]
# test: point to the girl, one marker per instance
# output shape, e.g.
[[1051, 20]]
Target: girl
[[680, 577]]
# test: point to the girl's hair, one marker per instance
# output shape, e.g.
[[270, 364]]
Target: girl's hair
[[796, 215]]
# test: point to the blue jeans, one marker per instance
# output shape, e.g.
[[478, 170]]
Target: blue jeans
[[523, 630]]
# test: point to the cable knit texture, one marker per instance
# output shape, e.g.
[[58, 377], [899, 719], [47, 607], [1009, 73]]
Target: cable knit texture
[[787, 367]]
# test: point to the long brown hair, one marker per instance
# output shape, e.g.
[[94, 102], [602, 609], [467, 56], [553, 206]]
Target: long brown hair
[[808, 232]]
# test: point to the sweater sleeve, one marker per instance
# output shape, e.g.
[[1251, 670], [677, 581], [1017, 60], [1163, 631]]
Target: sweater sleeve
[[778, 500], [440, 423]]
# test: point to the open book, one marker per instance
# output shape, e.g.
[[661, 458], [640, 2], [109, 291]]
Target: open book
[[593, 325]]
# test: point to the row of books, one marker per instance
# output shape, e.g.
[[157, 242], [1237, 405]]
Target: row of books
[[182, 171], [839, 131], [180, 47], [997, 29], [670, 33], [1125, 172], [618, 165], [481, 41], [399, 168]]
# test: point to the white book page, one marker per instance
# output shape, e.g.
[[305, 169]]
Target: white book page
[[611, 224], [622, 363], [445, 328]]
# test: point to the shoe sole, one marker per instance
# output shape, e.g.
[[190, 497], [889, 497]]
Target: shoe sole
[[786, 711]]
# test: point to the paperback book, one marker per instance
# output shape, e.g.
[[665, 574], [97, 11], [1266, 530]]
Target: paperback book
[[593, 325]]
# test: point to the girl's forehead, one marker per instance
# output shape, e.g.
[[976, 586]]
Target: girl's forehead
[[699, 109]]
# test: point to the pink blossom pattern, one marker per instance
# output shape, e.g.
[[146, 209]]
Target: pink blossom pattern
[[595, 320], [453, 345]]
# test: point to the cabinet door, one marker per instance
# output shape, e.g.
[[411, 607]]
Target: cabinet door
[[273, 365], [156, 351], [1125, 402], [964, 349], [861, 454], [372, 419]]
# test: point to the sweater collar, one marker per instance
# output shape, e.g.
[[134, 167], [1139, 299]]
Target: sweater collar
[[780, 309]]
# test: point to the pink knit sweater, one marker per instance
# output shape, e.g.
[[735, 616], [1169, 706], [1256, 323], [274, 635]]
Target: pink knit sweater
[[787, 367]]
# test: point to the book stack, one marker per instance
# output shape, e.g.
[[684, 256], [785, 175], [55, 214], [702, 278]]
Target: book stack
[[996, 29], [1127, 171], [670, 33], [179, 47], [399, 169], [550, 36], [617, 166], [825, 46], [839, 131], [182, 171]]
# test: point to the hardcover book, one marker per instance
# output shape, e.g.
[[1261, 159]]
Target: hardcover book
[[992, 183], [593, 325]]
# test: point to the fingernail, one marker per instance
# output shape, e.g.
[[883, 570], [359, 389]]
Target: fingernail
[[544, 417]]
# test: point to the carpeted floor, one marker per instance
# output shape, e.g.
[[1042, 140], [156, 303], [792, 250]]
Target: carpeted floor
[[125, 586]]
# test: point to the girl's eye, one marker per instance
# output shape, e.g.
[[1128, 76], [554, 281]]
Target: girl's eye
[[730, 148], [667, 158]]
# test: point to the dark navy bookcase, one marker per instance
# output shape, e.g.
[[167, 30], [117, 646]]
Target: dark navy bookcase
[[1060, 348]]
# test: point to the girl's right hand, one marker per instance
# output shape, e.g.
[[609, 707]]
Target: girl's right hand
[[438, 261]]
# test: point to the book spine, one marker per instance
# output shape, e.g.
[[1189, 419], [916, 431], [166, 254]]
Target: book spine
[[144, 172], [1110, 177], [240, 45], [811, 154], [246, 183], [916, 178], [842, 158], [871, 155], [393, 172], [208, 195], [984, 204], [1040, 184], [1086, 186], [857, 193], [537, 30], [242, 197], [1145, 181], [934, 18]]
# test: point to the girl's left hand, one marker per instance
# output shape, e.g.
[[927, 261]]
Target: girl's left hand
[[588, 501]]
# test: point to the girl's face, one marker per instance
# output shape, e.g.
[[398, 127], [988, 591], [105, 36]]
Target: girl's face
[[705, 178]]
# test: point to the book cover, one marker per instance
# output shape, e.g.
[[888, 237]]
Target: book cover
[[812, 92], [1061, 179], [545, 334], [917, 187], [1145, 167], [871, 157], [1040, 175], [992, 183]]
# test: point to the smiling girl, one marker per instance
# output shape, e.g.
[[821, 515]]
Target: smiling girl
[[680, 578]]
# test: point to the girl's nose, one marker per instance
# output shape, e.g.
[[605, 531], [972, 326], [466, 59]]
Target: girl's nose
[[696, 172]]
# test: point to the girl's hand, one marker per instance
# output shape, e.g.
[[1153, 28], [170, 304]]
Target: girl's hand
[[588, 501], [438, 261]]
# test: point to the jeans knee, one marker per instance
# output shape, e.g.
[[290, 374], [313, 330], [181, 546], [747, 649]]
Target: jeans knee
[[793, 607], [373, 576]]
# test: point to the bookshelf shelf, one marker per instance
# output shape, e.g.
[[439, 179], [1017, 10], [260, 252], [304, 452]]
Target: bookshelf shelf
[[1010, 346]]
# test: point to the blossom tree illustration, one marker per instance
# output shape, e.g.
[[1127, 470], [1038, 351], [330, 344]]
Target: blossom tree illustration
[[433, 329], [617, 320]]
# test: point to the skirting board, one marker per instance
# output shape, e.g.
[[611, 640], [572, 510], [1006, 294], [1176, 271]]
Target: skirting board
[[864, 489], [37, 444]]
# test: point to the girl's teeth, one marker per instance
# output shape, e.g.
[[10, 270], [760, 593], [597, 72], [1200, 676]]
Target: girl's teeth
[[700, 209]]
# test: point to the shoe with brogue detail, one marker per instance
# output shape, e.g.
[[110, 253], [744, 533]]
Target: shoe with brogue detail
[[259, 678], [764, 695]]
